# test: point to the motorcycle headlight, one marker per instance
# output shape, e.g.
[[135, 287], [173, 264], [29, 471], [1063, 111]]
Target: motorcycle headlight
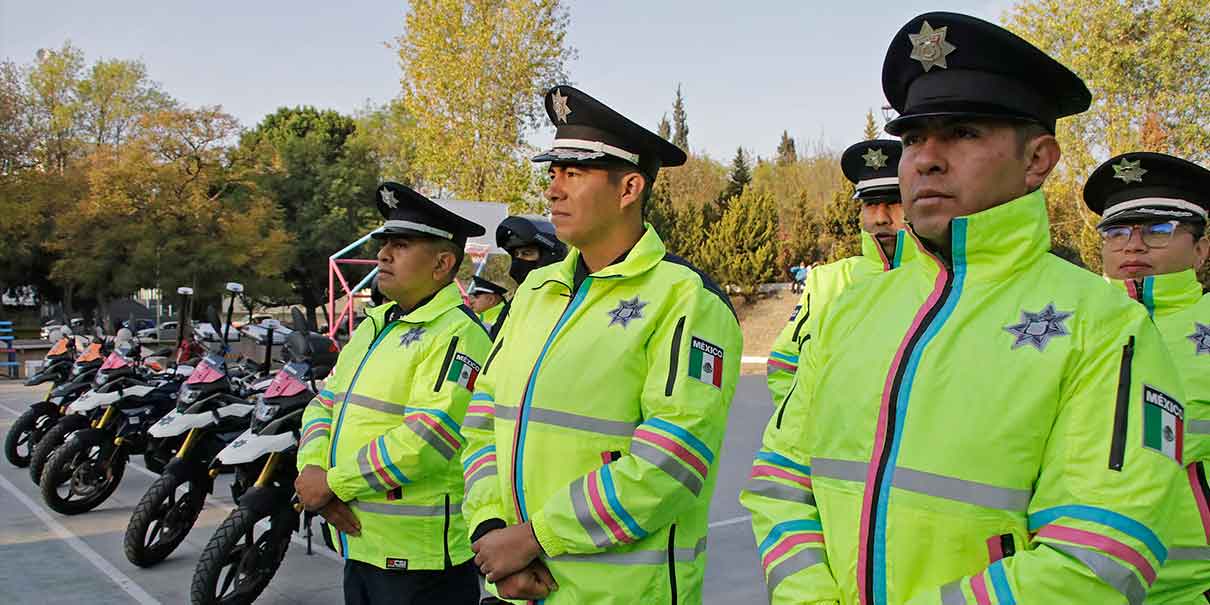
[[187, 395], [265, 412]]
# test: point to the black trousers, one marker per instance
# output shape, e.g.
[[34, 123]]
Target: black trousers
[[369, 585]]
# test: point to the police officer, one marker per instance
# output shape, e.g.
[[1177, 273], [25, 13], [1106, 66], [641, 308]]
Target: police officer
[[531, 242], [379, 448], [487, 300], [957, 449], [873, 168], [594, 432], [1154, 210]]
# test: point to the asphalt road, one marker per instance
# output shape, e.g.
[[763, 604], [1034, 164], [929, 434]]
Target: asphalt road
[[46, 557]]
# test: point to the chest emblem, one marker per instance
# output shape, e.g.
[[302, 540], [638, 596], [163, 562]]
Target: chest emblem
[[1036, 329], [1201, 338], [411, 336], [627, 311]]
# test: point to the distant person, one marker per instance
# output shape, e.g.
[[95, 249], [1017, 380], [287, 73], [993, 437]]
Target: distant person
[[487, 300], [531, 243]]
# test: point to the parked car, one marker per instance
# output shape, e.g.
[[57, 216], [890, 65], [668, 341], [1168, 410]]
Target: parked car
[[165, 331], [77, 327]]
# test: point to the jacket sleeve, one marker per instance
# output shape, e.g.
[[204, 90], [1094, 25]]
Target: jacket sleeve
[[1101, 513], [430, 437], [315, 436], [783, 359], [693, 362], [785, 520], [483, 500]]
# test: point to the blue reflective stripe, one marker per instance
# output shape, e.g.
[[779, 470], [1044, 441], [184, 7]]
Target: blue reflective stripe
[[1149, 294], [344, 544], [784, 357], [481, 396], [483, 451], [312, 423], [327, 393], [1108, 518], [898, 258], [686, 436], [607, 481], [785, 527], [1004, 594], [780, 460], [523, 413], [440, 415], [386, 461], [958, 238], [349, 391]]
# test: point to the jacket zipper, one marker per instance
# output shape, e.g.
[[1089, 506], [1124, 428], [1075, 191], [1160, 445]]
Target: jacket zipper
[[492, 357], [672, 563], [674, 356], [1117, 448], [445, 542], [794, 385], [802, 320], [522, 416]]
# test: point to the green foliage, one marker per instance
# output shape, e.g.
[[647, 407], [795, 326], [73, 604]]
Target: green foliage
[[872, 131], [742, 248], [786, 152], [665, 128], [680, 122], [842, 224], [739, 178]]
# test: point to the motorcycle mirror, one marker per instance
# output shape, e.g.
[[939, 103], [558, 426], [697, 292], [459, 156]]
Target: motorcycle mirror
[[184, 291], [299, 320], [235, 287]]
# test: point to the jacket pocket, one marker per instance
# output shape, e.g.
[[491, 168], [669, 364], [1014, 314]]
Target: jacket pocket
[[784, 402], [445, 365], [1117, 449], [674, 356], [672, 564]]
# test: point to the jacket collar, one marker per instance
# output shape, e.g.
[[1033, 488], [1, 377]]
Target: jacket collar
[[905, 250], [445, 299], [1164, 294], [644, 256], [997, 242]]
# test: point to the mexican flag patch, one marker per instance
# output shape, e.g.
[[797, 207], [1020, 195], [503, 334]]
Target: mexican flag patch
[[463, 371], [706, 362], [1163, 424]]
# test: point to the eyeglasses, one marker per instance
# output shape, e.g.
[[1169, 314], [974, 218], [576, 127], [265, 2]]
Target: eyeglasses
[[1155, 235]]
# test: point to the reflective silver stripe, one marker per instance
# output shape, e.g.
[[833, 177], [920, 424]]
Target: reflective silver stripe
[[580, 504], [479, 422], [794, 564], [367, 471], [779, 491], [665, 462], [639, 557], [431, 437], [407, 510], [1198, 427], [930, 484], [398, 224], [951, 594], [485, 471], [1120, 577], [377, 404], [845, 470], [313, 436], [1189, 554], [572, 421], [961, 490]]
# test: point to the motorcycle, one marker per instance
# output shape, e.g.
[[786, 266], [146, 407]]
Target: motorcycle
[[29, 427], [84, 471], [211, 412], [53, 419], [246, 550]]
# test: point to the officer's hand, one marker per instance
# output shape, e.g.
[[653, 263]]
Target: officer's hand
[[504, 552], [533, 582], [340, 516], [312, 487]]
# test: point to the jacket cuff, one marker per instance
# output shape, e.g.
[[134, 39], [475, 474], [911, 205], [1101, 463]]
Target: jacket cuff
[[342, 489], [546, 536], [487, 526]]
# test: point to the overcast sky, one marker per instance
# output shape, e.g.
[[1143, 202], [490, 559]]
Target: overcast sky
[[748, 70]]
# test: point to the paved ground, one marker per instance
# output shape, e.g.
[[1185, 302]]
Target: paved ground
[[50, 558]]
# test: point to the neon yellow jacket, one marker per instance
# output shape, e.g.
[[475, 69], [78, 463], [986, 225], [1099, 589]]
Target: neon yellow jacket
[[823, 284], [599, 417], [387, 428], [953, 447], [1182, 314], [490, 316]]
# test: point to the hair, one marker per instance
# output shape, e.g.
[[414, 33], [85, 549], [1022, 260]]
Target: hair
[[617, 170], [1197, 228], [1026, 132], [445, 245]]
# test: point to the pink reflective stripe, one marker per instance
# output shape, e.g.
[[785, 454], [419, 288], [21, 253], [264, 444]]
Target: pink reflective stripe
[[1103, 544], [772, 471], [995, 549], [594, 494], [787, 543], [379, 470], [781, 365], [480, 409], [319, 426], [1199, 496], [979, 587], [674, 447], [437, 428], [479, 464]]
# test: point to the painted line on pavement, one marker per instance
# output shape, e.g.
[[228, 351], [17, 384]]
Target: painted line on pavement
[[731, 521], [9, 410], [124, 582], [749, 359]]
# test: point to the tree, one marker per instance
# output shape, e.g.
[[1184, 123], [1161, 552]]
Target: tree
[[473, 78], [389, 133], [112, 97], [842, 224], [18, 134], [680, 122], [871, 131], [786, 153], [53, 83], [739, 178], [742, 249], [665, 128]]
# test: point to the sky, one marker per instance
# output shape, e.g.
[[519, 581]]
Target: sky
[[748, 69]]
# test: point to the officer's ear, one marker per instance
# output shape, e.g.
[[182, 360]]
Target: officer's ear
[[1202, 249], [632, 185]]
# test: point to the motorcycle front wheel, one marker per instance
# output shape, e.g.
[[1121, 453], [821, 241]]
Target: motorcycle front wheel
[[241, 558]]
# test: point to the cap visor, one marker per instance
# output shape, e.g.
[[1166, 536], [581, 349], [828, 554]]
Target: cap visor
[[902, 123], [387, 233], [1141, 215]]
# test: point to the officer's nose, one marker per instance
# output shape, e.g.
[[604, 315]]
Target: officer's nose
[[554, 190], [384, 256], [881, 215], [928, 156], [1135, 242]]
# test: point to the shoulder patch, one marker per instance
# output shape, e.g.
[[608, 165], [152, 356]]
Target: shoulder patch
[[1163, 423], [706, 362], [707, 282], [464, 371]]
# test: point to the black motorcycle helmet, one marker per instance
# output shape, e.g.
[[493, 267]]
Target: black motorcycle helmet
[[529, 230]]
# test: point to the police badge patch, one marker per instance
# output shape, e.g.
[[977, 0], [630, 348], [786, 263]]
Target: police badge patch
[[627, 311], [1200, 338], [411, 336], [1036, 329]]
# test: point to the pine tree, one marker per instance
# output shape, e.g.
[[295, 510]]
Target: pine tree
[[740, 176], [741, 251], [842, 224], [786, 152], [871, 127], [665, 128], [680, 122]]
